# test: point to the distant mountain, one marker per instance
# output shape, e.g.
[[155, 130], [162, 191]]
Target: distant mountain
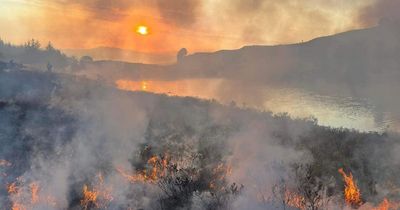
[[351, 57], [109, 53], [362, 64]]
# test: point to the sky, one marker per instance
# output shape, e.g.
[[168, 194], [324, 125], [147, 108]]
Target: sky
[[198, 25]]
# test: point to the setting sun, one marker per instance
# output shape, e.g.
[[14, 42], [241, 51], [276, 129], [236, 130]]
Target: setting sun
[[142, 30]]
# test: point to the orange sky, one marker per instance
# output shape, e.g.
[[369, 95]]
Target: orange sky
[[200, 25]]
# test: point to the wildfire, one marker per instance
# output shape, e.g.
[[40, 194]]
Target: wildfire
[[23, 197], [352, 194], [98, 197], [294, 200], [34, 195], [219, 174], [89, 198], [387, 205], [156, 169]]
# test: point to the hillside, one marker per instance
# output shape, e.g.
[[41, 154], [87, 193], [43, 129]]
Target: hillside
[[67, 129], [109, 53]]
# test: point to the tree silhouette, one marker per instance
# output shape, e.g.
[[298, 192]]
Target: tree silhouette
[[181, 54], [32, 44]]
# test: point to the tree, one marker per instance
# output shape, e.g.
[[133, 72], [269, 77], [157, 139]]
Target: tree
[[86, 59], [32, 44], [312, 189], [181, 54], [50, 47]]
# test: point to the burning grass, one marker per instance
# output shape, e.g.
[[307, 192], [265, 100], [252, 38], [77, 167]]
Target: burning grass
[[352, 194]]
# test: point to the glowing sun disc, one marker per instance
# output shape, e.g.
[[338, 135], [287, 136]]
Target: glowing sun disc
[[142, 30]]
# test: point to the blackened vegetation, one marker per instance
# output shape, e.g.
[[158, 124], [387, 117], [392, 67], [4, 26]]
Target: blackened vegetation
[[195, 147], [194, 165], [20, 125]]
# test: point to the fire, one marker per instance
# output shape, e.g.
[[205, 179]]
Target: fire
[[352, 194], [294, 200], [99, 196], [14, 191], [27, 197], [219, 174], [89, 198], [34, 189], [156, 168], [387, 205]]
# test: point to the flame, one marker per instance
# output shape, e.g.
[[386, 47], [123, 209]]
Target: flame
[[294, 200], [220, 172], [14, 191], [352, 194], [20, 200], [34, 195], [98, 197], [156, 168], [89, 197], [387, 205], [140, 177]]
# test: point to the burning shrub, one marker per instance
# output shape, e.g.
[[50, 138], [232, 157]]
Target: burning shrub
[[180, 179]]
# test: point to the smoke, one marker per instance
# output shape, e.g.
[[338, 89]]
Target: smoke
[[103, 9], [380, 10], [180, 12], [96, 129], [65, 132], [196, 25], [177, 12], [85, 136]]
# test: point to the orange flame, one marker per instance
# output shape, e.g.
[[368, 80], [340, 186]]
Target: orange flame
[[387, 205], [89, 197], [15, 191], [352, 194], [219, 174], [19, 197], [34, 195], [98, 197], [156, 169], [294, 200]]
